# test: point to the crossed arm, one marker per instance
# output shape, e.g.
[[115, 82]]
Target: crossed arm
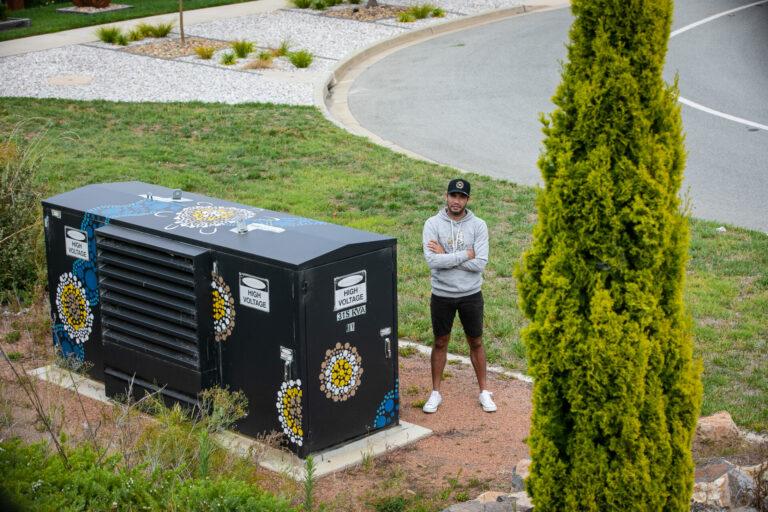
[[472, 259]]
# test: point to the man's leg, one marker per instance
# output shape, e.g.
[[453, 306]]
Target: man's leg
[[438, 359], [477, 356]]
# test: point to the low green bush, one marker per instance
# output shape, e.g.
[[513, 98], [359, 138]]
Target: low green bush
[[33, 479], [301, 58], [135, 35], [406, 17], [242, 48], [302, 4], [319, 5], [162, 29], [438, 12], [109, 34]]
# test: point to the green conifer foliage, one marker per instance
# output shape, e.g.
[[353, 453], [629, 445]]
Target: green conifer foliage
[[617, 391]]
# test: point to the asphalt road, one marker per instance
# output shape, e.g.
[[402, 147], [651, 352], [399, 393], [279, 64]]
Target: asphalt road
[[472, 100]]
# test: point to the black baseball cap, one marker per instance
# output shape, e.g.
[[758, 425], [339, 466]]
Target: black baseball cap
[[459, 185]]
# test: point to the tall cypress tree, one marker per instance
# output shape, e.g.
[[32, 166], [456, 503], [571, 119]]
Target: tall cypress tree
[[617, 391]]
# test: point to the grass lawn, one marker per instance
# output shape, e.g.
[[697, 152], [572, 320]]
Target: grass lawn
[[46, 19], [291, 159]]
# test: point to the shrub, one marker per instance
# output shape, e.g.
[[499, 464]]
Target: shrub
[[302, 4], [145, 29], [122, 40], [109, 34], [319, 5], [228, 59], [438, 12], [616, 390], [301, 58], [266, 55], [22, 255], [242, 48], [205, 52]]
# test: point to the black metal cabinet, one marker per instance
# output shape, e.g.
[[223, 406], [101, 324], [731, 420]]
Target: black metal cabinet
[[176, 293]]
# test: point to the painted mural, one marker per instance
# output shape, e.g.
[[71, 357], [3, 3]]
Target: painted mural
[[223, 308], [386, 413], [289, 410], [73, 308], [341, 372]]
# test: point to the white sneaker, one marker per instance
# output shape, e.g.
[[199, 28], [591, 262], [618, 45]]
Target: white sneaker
[[435, 399], [486, 401]]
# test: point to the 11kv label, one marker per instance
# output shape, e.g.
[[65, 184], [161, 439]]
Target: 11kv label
[[350, 290]]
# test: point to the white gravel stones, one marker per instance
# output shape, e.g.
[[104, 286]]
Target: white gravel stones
[[120, 76], [462, 6], [323, 36], [101, 71]]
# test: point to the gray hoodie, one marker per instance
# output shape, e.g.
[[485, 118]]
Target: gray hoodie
[[453, 273]]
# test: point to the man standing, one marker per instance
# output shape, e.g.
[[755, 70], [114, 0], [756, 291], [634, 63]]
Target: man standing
[[456, 249]]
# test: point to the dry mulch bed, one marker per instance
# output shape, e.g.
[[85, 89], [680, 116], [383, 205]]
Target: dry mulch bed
[[367, 14], [173, 49]]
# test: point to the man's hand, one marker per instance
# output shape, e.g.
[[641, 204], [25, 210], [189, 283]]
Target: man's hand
[[471, 253], [435, 247]]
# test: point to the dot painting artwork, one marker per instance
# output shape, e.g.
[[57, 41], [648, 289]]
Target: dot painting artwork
[[289, 410], [341, 372], [223, 308], [73, 308]]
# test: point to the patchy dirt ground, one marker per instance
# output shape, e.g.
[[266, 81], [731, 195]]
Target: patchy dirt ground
[[469, 452]]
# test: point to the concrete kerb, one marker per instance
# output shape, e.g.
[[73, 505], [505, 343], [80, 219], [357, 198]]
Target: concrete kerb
[[331, 94]]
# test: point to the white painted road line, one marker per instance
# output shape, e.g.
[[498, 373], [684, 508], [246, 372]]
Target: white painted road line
[[708, 110]]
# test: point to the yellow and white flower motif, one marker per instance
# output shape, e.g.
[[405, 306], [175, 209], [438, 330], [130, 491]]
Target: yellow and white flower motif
[[223, 308], [341, 372], [211, 216], [289, 410], [73, 308]]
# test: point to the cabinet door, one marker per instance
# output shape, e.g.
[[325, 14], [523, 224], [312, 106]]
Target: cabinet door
[[351, 335]]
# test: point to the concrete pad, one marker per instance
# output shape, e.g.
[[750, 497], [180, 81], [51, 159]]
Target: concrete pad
[[268, 457]]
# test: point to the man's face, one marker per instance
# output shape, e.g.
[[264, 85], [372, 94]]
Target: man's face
[[456, 203]]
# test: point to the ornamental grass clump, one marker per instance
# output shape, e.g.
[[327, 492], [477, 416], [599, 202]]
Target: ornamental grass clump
[[228, 59], [109, 35], [302, 4], [616, 388], [242, 48], [205, 52], [283, 50], [301, 58]]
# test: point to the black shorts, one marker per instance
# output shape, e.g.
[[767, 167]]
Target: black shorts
[[470, 310]]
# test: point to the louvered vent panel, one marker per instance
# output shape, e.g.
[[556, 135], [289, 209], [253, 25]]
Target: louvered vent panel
[[148, 300]]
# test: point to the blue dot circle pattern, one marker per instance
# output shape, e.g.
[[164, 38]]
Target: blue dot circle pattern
[[386, 414]]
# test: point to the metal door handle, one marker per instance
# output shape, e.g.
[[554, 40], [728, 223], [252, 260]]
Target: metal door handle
[[387, 348]]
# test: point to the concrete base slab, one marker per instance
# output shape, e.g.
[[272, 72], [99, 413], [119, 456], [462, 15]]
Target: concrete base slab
[[268, 457]]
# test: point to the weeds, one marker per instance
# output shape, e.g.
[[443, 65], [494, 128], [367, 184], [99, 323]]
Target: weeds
[[309, 484], [13, 336], [22, 257], [242, 48], [418, 404], [228, 59], [205, 52], [301, 58], [407, 351]]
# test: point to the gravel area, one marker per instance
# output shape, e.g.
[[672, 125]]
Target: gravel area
[[102, 71], [120, 76]]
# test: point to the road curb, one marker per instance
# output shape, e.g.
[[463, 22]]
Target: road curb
[[330, 95]]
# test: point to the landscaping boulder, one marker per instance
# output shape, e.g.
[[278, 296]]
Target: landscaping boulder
[[716, 429], [519, 473]]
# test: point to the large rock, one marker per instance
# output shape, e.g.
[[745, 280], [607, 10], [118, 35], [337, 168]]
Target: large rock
[[717, 428], [495, 502], [519, 473]]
